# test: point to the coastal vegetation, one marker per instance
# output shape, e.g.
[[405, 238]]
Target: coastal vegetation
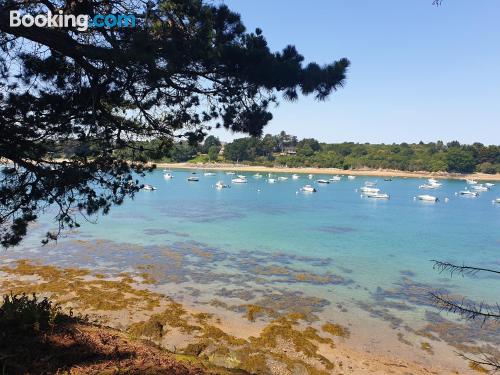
[[287, 150]]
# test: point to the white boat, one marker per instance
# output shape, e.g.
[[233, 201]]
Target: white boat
[[257, 175], [468, 193], [295, 176], [239, 181], [167, 176], [496, 200], [427, 198], [480, 188], [366, 189], [209, 174], [241, 176], [149, 187], [282, 178], [308, 189], [230, 173], [221, 185], [377, 195], [335, 178], [193, 179], [471, 182], [370, 183], [351, 177], [323, 181], [310, 176], [428, 186], [271, 180], [434, 182], [489, 184]]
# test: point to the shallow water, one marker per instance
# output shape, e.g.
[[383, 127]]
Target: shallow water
[[356, 256]]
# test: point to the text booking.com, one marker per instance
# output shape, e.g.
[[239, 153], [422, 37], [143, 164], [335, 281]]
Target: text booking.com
[[81, 22]]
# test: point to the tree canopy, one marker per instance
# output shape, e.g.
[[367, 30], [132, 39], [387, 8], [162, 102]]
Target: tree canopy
[[185, 67]]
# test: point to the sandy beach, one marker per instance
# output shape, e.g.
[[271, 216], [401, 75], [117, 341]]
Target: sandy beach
[[329, 171]]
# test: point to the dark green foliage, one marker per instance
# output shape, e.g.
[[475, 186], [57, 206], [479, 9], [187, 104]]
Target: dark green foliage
[[104, 96], [213, 153], [432, 157], [27, 314], [209, 142]]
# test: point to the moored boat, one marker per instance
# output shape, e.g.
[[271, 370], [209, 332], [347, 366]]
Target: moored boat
[[377, 195], [468, 193], [428, 186], [350, 177], [366, 189], [168, 176], [271, 180], [470, 181], [496, 200], [193, 179], [295, 176], [308, 189], [489, 184], [310, 176], [323, 181], [335, 178], [149, 187], [230, 173], [480, 187], [257, 175], [282, 178], [209, 174], [221, 185], [239, 180], [370, 183], [427, 198]]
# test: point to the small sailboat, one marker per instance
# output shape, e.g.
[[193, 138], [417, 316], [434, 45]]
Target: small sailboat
[[471, 182], [323, 181], [377, 195], [239, 180], [209, 174], [282, 178], [308, 189], [428, 186], [350, 177], [480, 187], [434, 182], [149, 187], [468, 193], [271, 180], [168, 176], [336, 178], [427, 198], [242, 176], [370, 183], [193, 179], [257, 175], [295, 176], [489, 184], [310, 176], [230, 173], [221, 185], [366, 189]]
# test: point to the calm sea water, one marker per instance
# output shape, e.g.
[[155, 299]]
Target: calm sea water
[[374, 245]]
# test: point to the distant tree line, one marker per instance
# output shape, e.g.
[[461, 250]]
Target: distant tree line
[[287, 150]]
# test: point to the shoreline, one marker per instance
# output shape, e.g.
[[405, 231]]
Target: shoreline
[[313, 170]]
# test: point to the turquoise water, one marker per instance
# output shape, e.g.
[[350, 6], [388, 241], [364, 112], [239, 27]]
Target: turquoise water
[[374, 251]]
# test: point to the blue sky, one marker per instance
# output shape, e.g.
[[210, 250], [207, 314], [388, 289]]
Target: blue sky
[[418, 72]]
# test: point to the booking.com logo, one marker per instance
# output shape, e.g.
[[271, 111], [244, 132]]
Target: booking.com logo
[[81, 22]]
